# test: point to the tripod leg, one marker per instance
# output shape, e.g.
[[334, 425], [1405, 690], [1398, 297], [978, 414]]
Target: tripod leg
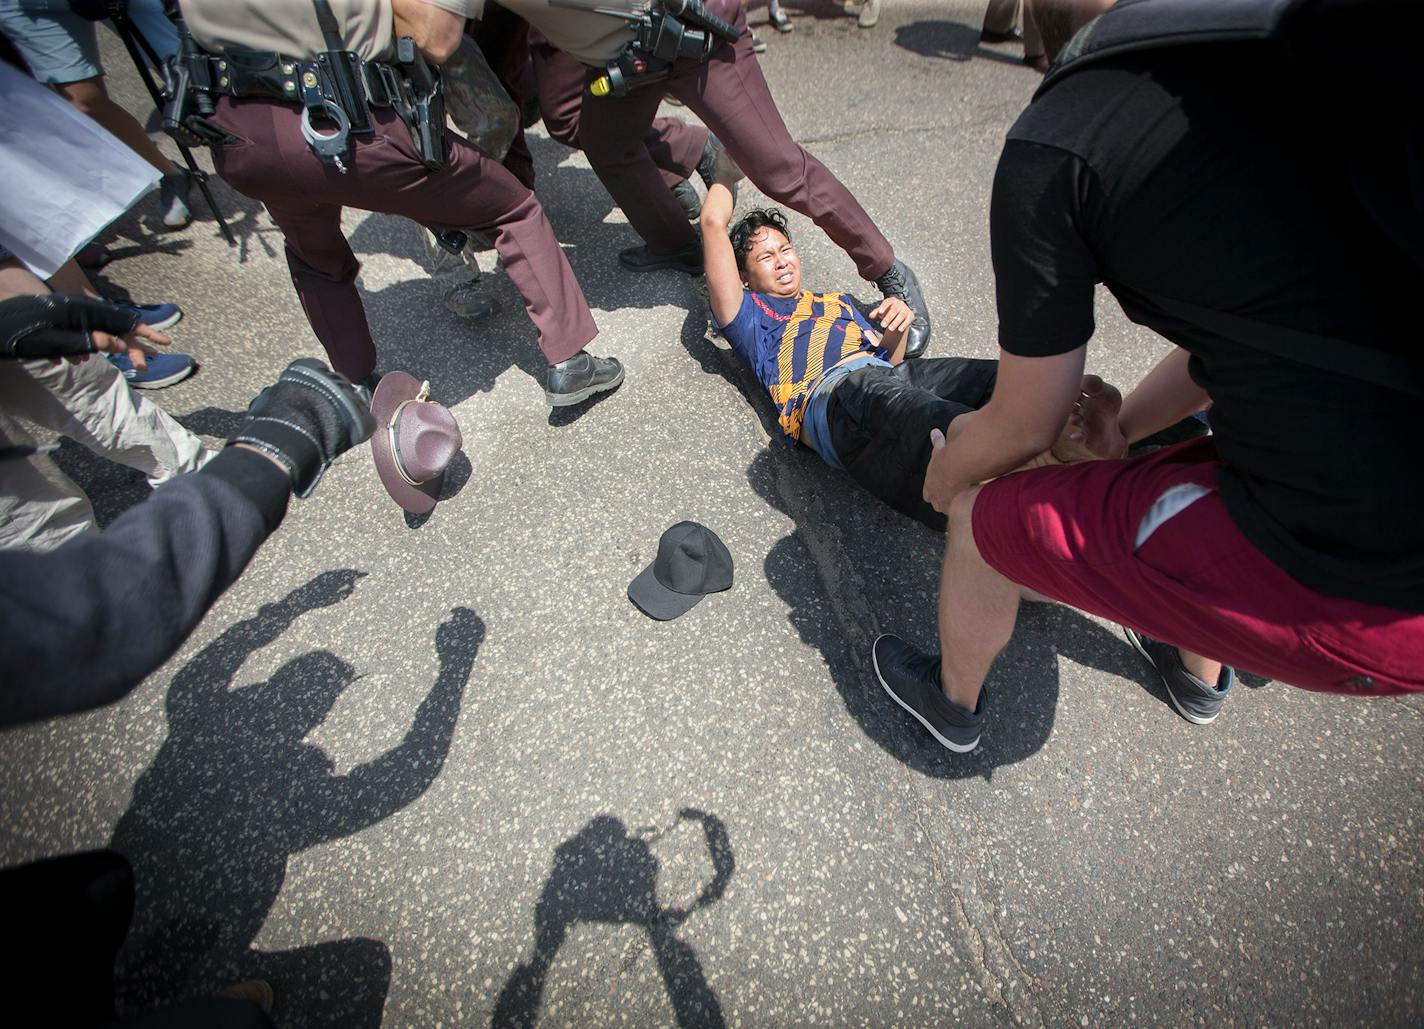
[[133, 40]]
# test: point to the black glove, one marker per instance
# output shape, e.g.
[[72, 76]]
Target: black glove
[[304, 420], [58, 325]]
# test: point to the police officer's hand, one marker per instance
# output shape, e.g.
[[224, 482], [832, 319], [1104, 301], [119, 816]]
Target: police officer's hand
[[73, 327], [305, 420]]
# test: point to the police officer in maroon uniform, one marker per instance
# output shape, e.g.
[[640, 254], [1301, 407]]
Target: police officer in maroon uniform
[[316, 105]]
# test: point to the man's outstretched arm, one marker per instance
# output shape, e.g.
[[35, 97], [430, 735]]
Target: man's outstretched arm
[[724, 281], [83, 624]]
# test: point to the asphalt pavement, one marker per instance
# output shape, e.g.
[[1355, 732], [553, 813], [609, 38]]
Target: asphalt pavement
[[441, 772]]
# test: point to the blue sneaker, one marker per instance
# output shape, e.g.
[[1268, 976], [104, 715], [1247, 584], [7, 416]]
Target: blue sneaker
[[156, 316], [163, 370]]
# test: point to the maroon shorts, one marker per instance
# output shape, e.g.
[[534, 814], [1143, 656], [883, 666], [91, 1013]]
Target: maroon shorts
[[1071, 533]]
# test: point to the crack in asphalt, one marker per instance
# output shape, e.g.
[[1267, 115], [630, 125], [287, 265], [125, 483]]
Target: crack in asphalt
[[878, 130], [997, 968]]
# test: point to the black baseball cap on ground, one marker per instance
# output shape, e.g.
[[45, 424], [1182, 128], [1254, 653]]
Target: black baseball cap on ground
[[691, 563]]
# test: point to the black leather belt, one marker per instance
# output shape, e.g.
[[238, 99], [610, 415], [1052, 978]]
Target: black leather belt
[[273, 76]]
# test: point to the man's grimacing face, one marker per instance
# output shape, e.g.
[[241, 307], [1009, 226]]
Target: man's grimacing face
[[772, 265]]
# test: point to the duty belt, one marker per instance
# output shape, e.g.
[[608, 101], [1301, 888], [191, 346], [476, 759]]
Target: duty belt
[[273, 76], [336, 87]]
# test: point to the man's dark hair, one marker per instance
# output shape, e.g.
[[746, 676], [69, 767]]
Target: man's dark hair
[[753, 222]]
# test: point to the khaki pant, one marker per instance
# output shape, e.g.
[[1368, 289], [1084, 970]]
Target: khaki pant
[[92, 404]]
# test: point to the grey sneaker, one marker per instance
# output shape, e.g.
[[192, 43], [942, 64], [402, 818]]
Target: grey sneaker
[[1194, 700], [869, 14], [707, 163], [173, 191], [464, 299], [912, 680], [686, 194], [901, 282], [580, 377]]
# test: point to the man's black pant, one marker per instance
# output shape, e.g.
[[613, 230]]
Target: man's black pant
[[880, 420]]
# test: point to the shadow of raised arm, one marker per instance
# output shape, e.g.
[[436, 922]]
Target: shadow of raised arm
[[206, 678], [379, 788]]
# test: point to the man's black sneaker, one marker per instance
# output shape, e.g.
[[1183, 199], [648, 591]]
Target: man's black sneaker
[[900, 282], [912, 680], [580, 377], [642, 259], [1194, 700], [688, 197]]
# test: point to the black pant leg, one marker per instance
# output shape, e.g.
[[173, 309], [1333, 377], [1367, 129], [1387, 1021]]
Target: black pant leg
[[880, 428], [964, 380], [65, 919]]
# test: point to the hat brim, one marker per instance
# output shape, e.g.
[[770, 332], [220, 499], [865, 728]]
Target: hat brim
[[657, 601], [394, 389]]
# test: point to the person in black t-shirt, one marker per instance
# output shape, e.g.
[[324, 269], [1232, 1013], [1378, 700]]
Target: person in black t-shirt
[[1194, 182]]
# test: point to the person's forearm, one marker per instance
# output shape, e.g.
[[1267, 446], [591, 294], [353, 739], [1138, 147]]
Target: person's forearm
[[893, 343], [979, 448], [717, 208], [83, 624], [1164, 397]]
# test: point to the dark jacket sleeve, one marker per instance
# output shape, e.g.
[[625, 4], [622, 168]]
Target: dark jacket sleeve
[[83, 624]]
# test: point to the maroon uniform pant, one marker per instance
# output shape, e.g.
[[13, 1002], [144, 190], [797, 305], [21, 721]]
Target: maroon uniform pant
[[730, 94], [673, 146], [273, 164]]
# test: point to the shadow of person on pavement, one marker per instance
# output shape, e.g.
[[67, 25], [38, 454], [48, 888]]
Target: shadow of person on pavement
[[234, 791], [949, 41], [603, 874]]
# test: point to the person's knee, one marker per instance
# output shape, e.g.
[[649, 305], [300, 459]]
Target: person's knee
[[88, 95], [562, 130], [961, 514], [783, 177]]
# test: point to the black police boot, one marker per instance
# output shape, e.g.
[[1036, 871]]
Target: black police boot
[[900, 282], [580, 377], [643, 259]]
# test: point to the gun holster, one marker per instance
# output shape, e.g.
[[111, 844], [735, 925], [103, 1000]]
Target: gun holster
[[421, 104], [669, 31]]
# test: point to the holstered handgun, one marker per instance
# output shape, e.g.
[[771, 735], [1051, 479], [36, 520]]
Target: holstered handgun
[[424, 112], [187, 95]]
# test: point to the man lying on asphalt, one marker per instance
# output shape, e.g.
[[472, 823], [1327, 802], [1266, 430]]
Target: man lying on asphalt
[[839, 384]]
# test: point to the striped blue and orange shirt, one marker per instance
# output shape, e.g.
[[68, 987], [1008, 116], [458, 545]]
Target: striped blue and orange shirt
[[789, 343]]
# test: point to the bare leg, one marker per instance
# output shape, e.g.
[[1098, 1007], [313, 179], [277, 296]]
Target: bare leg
[[70, 278], [1204, 668], [977, 609], [90, 96]]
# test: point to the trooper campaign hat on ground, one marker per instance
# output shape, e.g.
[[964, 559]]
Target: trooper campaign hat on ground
[[692, 562], [415, 440]]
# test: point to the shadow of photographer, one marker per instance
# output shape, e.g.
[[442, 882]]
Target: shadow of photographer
[[234, 791], [605, 875]]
